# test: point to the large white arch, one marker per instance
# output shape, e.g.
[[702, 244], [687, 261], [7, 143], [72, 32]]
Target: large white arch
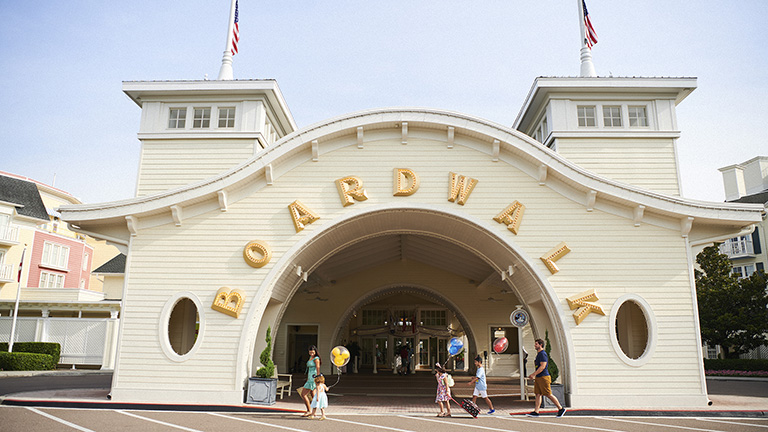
[[476, 235]]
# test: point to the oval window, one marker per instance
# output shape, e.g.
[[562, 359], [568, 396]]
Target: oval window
[[183, 326], [632, 328]]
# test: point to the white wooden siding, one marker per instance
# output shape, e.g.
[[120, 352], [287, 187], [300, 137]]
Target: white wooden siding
[[608, 253], [167, 164], [647, 163]]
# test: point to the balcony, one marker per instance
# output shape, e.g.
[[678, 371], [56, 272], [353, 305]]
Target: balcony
[[61, 295], [6, 273], [9, 235], [738, 247]]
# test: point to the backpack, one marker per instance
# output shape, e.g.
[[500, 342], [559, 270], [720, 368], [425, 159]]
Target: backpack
[[449, 380]]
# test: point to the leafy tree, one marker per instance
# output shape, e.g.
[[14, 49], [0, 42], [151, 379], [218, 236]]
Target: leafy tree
[[733, 312]]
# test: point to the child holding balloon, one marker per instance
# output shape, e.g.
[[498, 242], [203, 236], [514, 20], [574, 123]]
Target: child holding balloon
[[443, 391]]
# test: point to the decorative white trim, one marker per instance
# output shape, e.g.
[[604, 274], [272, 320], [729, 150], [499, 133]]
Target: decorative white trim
[[315, 151], [359, 137], [638, 215], [268, 175], [542, 174], [405, 133], [451, 136], [222, 200], [650, 321], [133, 225], [496, 146], [176, 213], [685, 226], [162, 325], [591, 197]]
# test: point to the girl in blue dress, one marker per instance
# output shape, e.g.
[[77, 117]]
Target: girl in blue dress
[[308, 391], [321, 397]]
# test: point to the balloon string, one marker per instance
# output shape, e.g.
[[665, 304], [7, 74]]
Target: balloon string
[[338, 377]]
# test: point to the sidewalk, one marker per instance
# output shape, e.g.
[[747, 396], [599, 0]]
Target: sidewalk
[[388, 395]]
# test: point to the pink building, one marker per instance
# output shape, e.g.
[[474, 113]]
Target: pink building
[[59, 262]]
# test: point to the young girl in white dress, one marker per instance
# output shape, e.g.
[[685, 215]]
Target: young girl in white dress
[[321, 397]]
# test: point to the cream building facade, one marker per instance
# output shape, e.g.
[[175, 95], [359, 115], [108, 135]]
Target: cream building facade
[[395, 226]]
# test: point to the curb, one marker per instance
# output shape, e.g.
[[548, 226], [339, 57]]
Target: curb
[[653, 413], [47, 403]]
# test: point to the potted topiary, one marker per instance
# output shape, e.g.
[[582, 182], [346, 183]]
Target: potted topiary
[[262, 388], [557, 389]]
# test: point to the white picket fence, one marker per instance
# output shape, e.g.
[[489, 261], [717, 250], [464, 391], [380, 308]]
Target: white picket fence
[[84, 341]]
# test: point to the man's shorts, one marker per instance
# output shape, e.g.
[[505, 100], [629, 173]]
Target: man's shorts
[[541, 385], [482, 393]]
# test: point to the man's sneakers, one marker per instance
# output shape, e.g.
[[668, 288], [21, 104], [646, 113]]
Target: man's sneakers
[[491, 411], [560, 413]]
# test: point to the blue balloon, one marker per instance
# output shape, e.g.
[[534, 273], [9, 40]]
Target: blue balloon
[[454, 346]]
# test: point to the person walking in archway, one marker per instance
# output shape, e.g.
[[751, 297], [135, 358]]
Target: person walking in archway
[[542, 380], [308, 391]]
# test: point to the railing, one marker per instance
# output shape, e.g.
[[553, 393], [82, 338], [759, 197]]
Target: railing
[[9, 234], [6, 273], [738, 247]]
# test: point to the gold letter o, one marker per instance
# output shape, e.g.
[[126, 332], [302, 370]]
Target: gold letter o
[[257, 253]]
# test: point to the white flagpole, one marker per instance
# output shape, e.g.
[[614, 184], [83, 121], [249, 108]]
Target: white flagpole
[[225, 73], [16, 306], [587, 67]]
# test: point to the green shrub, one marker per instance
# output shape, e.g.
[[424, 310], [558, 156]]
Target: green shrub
[[554, 372], [268, 371], [736, 364], [23, 361], [53, 349]]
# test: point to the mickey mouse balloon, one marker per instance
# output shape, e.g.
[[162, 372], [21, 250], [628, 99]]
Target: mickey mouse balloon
[[340, 356]]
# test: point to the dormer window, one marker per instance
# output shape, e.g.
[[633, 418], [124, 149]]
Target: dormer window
[[177, 118], [202, 118], [612, 116], [226, 117], [587, 116]]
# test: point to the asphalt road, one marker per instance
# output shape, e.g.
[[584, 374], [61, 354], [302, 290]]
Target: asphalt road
[[60, 419], [57, 381]]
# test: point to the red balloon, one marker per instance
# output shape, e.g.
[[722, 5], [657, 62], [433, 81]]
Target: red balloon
[[500, 345]]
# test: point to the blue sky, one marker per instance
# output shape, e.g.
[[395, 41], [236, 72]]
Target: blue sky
[[63, 64]]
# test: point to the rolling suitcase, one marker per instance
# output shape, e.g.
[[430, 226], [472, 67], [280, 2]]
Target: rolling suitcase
[[468, 406]]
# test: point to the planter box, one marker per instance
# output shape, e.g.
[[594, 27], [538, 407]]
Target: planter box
[[558, 391], [261, 391]]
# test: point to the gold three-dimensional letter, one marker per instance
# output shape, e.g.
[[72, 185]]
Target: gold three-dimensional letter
[[553, 255], [257, 253], [460, 188], [511, 216], [301, 215], [228, 301], [351, 190], [406, 182], [584, 303]]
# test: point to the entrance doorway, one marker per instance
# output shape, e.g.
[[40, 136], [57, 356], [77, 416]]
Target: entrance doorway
[[432, 350], [300, 338]]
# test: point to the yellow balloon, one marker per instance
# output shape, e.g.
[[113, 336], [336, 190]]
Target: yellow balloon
[[338, 361], [345, 355], [336, 351]]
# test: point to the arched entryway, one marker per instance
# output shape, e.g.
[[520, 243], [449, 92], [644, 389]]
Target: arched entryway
[[371, 248]]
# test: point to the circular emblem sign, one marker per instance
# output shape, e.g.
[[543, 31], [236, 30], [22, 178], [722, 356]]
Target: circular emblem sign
[[519, 318]]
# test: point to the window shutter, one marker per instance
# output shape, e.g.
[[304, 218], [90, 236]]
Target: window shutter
[[760, 267], [756, 242]]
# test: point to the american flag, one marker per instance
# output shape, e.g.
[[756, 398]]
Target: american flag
[[21, 266], [590, 36], [235, 32]]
